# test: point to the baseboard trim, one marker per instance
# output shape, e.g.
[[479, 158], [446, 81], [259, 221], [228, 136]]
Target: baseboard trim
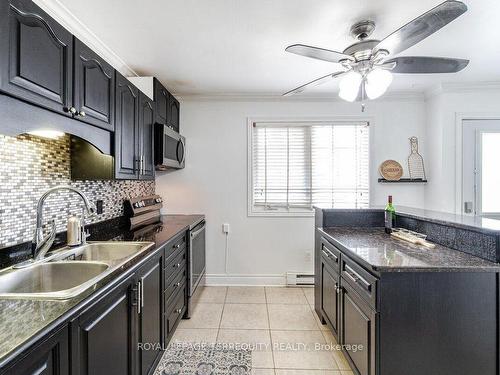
[[245, 280]]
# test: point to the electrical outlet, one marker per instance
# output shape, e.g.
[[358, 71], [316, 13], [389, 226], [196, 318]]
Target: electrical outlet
[[225, 228]]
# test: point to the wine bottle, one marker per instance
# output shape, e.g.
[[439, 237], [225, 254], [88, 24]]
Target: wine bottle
[[390, 215]]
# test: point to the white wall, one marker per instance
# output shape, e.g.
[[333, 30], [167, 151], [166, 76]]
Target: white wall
[[443, 108], [214, 181]]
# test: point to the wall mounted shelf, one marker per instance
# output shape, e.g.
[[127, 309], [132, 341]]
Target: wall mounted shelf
[[403, 181]]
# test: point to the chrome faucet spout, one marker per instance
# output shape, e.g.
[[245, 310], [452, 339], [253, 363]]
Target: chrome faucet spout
[[43, 244]]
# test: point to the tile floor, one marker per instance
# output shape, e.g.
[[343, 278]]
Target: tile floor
[[280, 320]]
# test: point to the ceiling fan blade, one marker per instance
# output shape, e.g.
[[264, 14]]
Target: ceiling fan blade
[[422, 27], [318, 53], [426, 65], [316, 82]]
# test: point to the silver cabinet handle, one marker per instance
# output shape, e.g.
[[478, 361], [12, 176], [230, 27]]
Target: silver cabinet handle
[[72, 110], [177, 246], [139, 302], [337, 288], [178, 311], [82, 114], [177, 265], [176, 285], [353, 275], [142, 294], [329, 254]]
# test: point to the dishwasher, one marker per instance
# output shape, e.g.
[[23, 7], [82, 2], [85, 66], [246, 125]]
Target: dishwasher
[[197, 261]]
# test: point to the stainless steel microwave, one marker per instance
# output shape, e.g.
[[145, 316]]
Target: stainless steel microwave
[[170, 148]]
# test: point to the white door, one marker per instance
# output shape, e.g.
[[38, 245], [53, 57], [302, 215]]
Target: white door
[[481, 168]]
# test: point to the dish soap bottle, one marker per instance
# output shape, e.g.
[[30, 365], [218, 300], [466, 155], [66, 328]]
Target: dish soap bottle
[[390, 215]]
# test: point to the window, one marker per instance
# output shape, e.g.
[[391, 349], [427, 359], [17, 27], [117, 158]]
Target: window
[[295, 165]]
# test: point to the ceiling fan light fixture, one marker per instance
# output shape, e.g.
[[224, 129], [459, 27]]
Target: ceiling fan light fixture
[[377, 83], [349, 86]]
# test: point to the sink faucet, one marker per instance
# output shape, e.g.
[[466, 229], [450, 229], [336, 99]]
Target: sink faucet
[[43, 243]]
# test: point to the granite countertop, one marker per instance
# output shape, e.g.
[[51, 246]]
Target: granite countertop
[[476, 223], [23, 320], [380, 252]]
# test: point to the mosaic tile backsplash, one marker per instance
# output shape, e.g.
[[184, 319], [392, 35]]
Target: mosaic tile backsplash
[[29, 166]]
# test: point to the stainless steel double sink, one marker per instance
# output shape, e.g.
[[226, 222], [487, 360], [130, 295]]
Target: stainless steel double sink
[[68, 272]]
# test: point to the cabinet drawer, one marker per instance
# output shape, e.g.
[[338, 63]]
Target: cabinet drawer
[[331, 254], [172, 248], [177, 262], [175, 309], [364, 283], [174, 284]]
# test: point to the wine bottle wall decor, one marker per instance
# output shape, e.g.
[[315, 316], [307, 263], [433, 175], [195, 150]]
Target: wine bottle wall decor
[[416, 167]]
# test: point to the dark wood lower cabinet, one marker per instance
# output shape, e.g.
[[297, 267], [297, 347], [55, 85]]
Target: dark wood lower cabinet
[[330, 281], [50, 357], [413, 322], [103, 338], [150, 314], [122, 332], [358, 325]]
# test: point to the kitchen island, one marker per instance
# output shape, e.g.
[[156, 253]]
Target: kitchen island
[[413, 310]]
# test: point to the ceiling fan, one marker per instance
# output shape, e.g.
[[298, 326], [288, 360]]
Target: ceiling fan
[[367, 65]]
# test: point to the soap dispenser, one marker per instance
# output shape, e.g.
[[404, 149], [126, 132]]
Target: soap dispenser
[[74, 233]]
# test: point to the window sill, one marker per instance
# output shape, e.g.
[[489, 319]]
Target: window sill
[[280, 213]]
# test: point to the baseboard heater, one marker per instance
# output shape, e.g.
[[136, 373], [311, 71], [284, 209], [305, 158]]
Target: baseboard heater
[[299, 279]]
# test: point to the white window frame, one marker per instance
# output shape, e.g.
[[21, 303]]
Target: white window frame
[[251, 211]]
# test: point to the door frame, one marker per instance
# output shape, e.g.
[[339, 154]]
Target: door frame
[[460, 117]]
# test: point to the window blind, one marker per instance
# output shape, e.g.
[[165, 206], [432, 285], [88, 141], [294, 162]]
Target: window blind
[[298, 165]]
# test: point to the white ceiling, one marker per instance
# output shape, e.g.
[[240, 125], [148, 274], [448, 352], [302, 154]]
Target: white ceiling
[[237, 46]]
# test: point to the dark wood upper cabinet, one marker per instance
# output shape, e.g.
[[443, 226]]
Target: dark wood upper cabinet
[[174, 112], [146, 132], [50, 357], [150, 312], [126, 129], [36, 56], [94, 88], [167, 107], [161, 100], [103, 340]]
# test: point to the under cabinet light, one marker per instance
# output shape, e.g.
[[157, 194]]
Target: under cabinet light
[[46, 133]]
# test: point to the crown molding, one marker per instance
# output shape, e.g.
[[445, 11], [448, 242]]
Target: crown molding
[[67, 19], [397, 96], [461, 87]]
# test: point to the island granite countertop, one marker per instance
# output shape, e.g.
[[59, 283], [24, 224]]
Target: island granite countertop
[[379, 252], [24, 321]]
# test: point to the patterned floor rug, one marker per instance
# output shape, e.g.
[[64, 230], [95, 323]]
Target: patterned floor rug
[[209, 361]]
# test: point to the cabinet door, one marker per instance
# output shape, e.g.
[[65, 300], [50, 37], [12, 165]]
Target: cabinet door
[[329, 295], [127, 130], [94, 88], [146, 130], [150, 317], [174, 109], [104, 336], [36, 56], [50, 357], [161, 100], [358, 328]]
